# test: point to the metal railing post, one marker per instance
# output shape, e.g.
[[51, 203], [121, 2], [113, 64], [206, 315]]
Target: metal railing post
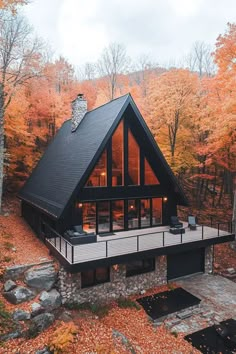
[[181, 236], [202, 233], [163, 240], [137, 243], [106, 249], [66, 250], [72, 254], [218, 229], [60, 244]]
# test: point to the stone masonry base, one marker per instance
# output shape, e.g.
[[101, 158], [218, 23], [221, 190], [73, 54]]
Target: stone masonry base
[[119, 285]]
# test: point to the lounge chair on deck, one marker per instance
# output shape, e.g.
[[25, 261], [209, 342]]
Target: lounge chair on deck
[[175, 223], [192, 222]]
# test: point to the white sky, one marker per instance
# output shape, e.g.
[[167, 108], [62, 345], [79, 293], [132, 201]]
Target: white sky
[[163, 29]]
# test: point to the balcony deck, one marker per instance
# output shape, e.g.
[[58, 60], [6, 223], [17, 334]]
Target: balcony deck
[[132, 242]]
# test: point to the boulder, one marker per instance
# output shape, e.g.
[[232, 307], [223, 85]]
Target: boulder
[[43, 351], [41, 322], [50, 300], [11, 335], [9, 285], [42, 278], [65, 316], [36, 309], [15, 272], [20, 315], [18, 295]]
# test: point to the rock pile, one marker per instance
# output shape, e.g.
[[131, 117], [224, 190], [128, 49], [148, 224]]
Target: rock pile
[[38, 280]]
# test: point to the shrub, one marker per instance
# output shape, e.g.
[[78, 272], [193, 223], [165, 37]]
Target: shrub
[[127, 303], [62, 337]]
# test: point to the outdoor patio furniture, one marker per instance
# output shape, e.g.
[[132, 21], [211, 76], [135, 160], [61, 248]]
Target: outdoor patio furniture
[[175, 223], [177, 230], [192, 222], [79, 236]]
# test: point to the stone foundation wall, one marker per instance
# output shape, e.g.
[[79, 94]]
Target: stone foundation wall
[[119, 285], [209, 252]]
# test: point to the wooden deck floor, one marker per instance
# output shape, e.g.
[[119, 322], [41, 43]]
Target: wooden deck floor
[[132, 241]]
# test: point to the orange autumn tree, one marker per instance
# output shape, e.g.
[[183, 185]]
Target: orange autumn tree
[[173, 104], [223, 104], [46, 104], [19, 62], [12, 4]]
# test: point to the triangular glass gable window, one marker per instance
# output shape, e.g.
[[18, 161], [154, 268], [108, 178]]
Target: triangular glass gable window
[[98, 177], [133, 160], [149, 175], [118, 156]]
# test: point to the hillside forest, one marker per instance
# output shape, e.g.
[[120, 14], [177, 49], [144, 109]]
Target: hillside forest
[[190, 108]]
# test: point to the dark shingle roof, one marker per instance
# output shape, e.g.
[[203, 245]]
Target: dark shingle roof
[[69, 156]]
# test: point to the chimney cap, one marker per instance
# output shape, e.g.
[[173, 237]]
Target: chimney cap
[[80, 96]]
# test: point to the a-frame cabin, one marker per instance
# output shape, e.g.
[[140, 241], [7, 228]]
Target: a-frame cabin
[[102, 195]]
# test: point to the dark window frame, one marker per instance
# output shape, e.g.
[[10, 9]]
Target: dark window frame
[[142, 269], [95, 280], [126, 219]]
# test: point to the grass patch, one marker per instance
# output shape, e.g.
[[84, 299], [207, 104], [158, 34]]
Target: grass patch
[[98, 310], [127, 303], [6, 321], [8, 245], [175, 334], [171, 286], [7, 236]]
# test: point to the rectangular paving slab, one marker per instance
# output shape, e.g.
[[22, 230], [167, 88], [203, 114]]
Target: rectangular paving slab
[[167, 302]]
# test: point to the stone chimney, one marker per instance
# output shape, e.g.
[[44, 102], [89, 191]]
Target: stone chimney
[[79, 109]]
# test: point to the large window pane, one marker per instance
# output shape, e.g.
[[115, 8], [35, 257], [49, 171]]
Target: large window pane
[[98, 177], [89, 217], [133, 160], [145, 212], [117, 156], [140, 267], [87, 278], [149, 175], [103, 217], [94, 277], [156, 211], [102, 275], [133, 214], [118, 215]]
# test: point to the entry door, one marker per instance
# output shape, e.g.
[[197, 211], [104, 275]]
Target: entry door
[[185, 263]]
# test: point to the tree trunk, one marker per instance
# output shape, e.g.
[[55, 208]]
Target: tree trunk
[[233, 244], [1, 142]]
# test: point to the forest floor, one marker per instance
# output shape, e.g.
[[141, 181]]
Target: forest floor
[[94, 330]]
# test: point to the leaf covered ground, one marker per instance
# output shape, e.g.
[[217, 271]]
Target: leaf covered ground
[[95, 333]]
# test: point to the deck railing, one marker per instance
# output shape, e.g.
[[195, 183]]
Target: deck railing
[[130, 244]]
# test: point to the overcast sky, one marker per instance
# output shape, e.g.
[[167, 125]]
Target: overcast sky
[[163, 29]]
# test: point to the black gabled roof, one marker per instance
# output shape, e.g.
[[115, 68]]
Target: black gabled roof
[[70, 156]]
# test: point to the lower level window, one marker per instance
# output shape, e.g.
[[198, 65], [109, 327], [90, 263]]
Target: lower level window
[[95, 277], [140, 266]]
